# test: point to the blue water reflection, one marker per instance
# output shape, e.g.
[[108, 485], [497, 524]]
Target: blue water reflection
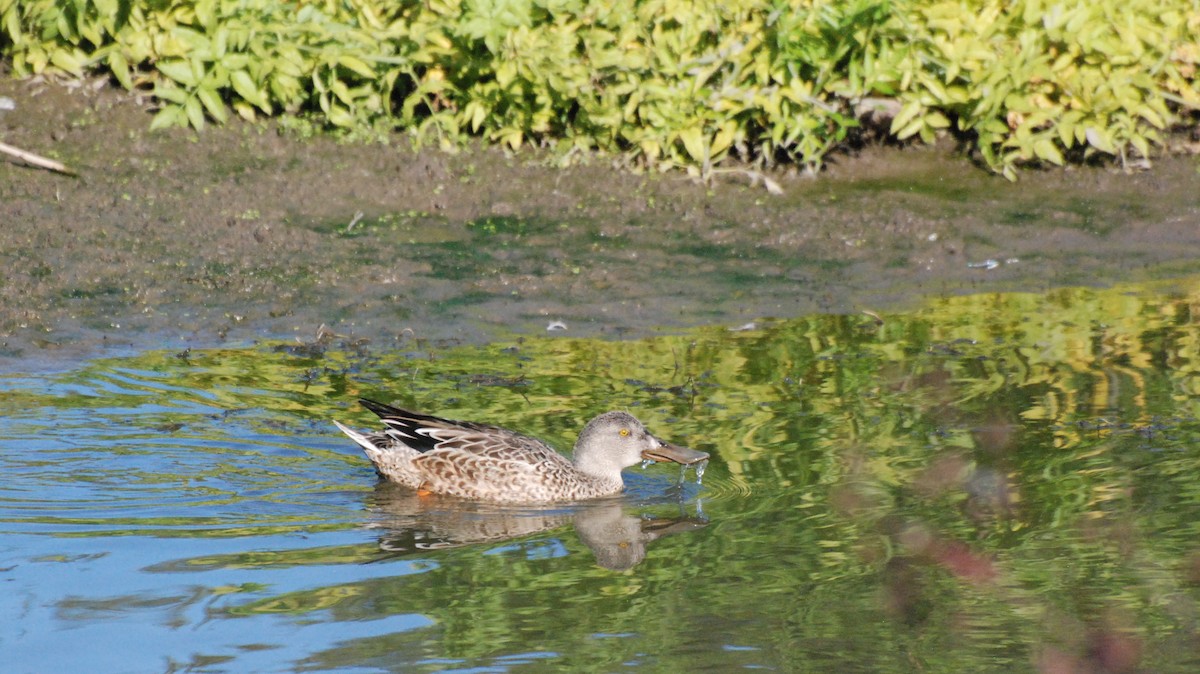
[[990, 484]]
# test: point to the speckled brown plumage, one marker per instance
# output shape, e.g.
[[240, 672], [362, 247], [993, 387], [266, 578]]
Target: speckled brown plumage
[[481, 461]]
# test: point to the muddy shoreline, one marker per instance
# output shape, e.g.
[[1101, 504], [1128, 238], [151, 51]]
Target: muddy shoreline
[[246, 232]]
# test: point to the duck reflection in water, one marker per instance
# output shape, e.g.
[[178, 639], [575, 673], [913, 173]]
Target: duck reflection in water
[[414, 523]]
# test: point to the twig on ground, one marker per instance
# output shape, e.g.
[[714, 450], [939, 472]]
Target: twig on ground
[[35, 159]]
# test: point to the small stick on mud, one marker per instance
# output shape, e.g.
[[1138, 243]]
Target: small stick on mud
[[34, 159]]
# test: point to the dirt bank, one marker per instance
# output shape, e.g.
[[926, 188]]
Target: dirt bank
[[184, 238]]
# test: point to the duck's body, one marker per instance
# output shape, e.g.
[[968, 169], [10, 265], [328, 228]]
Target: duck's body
[[480, 461]]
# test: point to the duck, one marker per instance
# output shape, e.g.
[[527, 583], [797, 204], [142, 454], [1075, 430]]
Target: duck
[[480, 461]]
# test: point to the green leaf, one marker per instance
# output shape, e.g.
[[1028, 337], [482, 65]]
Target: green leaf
[[67, 61], [12, 25], [1045, 149], [232, 61], [195, 113], [245, 110], [512, 137], [213, 104], [221, 43], [1141, 144], [693, 142], [914, 127], [1150, 115], [179, 71], [903, 119], [989, 155], [107, 7], [340, 90], [476, 113], [169, 92], [1099, 139], [1067, 129], [245, 87], [356, 65], [172, 115], [937, 120], [339, 116], [120, 69], [723, 139]]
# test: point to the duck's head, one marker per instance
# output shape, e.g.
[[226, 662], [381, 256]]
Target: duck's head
[[617, 440]]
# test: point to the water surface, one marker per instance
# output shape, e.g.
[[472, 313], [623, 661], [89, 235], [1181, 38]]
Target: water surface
[[991, 483]]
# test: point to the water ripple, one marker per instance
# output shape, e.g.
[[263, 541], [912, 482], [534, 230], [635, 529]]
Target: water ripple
[[720, 485], [128, 452]]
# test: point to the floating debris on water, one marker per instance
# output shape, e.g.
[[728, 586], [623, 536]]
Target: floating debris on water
[[992, 263]]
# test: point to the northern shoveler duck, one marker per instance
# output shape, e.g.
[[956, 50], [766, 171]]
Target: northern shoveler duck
[[479, 461]]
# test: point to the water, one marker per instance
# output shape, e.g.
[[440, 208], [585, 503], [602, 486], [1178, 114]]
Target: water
[[999, 483]]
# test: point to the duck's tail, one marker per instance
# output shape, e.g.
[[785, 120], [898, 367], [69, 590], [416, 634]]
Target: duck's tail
[[363, 441]]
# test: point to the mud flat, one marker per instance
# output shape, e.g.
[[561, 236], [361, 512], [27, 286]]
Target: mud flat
[[249, 231]]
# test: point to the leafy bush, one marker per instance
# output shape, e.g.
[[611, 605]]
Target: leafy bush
[[1036, 79], [667, 83]]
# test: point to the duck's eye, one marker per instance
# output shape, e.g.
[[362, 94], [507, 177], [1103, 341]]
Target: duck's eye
[[624, 432]]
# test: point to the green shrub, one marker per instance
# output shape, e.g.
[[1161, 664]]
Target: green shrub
[[665, 83], [1035, 79]]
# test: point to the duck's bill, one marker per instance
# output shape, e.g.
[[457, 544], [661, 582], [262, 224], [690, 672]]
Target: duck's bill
[[669, 452]]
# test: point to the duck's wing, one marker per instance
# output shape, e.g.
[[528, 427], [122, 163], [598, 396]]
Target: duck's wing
[[472, 441]]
